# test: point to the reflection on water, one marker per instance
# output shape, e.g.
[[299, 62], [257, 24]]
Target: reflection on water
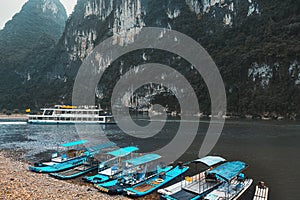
[[271, 148]]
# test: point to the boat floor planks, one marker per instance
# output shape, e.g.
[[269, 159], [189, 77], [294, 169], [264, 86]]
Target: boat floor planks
[[261, 193], [70, 172], [143, 187]]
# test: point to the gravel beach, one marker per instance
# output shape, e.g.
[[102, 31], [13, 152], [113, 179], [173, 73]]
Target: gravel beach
[[17, 182]]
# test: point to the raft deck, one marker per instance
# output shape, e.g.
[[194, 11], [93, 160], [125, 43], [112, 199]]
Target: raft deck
[[261, 193]]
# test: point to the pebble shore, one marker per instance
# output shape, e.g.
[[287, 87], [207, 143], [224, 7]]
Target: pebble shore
[[17, 182]]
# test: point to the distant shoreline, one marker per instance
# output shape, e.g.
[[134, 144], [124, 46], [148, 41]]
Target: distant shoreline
[[14, 116], [24, 117]]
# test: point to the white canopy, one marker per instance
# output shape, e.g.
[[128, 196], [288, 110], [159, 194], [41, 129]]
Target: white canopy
[[210, 160]]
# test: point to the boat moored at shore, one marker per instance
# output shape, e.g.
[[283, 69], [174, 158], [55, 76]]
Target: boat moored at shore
[[89, 165], [110, 166], [234, 181], [72, 158], [196, 186], [155, 182], [135, 171], [261, 191]]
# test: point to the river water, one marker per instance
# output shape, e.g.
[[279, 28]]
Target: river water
[[271, 148]]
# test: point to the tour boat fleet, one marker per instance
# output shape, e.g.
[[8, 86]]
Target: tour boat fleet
[[125, 171], [63, 114]]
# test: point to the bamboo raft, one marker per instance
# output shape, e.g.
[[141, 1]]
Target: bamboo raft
[[261, 192]]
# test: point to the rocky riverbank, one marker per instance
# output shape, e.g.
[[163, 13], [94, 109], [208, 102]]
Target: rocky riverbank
[[17, 182]]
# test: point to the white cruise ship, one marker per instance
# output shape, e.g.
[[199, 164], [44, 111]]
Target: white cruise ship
[[62, 114]]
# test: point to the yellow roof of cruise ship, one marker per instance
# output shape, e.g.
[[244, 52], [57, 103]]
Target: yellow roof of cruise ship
[[68, 107]]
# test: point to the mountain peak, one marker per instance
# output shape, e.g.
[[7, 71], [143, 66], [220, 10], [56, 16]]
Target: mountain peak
[[28, 36], [51, 7], [36, 17], [51, 10]]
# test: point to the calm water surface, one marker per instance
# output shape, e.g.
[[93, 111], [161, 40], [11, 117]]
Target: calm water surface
[[271, 148]]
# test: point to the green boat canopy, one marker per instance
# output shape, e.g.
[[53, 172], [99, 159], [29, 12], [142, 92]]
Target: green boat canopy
[[228, 170], [143, 159], [123, 151], [71, 144], [210, 160]]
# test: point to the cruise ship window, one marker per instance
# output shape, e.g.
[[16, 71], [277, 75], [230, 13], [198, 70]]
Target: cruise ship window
[[48, 112]]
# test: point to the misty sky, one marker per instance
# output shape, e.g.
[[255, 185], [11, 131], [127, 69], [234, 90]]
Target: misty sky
[[8, 8]]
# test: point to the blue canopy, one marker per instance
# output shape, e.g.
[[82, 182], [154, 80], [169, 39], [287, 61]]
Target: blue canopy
[[228, 170], [210, 160], [123, 151], [70, 144], [101, 146], [143, 159]]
